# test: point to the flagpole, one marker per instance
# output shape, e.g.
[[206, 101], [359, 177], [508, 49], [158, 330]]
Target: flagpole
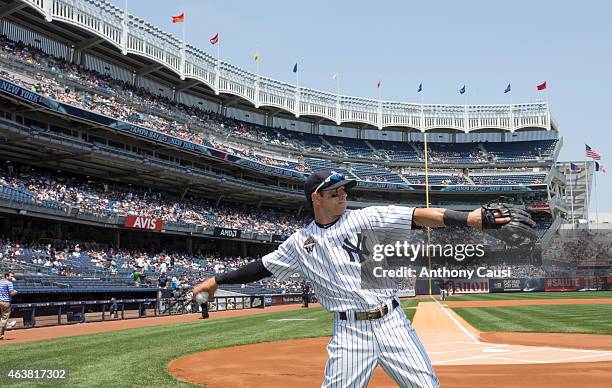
[[586, 199], [426, 156], [184, 43], [510, 95], [338, 83], [465, 110], [256, 58], [596, 196], [572, 196], [426, 152], [183, 57]]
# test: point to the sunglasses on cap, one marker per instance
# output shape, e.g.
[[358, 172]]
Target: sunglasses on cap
[[335, 177]]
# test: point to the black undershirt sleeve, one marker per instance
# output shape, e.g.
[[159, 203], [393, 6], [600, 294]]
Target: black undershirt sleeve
[[251, 272]]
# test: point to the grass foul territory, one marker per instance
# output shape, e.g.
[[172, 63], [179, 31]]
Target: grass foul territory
[[135, 356]]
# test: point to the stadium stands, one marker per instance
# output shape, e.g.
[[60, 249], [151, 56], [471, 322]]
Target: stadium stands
[[103, 198], [520, 151], [71, 266], [78, 86]]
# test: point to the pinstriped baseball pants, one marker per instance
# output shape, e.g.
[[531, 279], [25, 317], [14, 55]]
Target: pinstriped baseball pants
[[357, 347]]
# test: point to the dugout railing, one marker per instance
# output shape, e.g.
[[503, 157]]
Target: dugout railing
[[30, 315]]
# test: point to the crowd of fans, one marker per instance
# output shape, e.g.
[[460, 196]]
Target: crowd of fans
[[172, 270], [88, 89], [118, 99], [180, 271], [102, 198], [439, 153], [582, 246]]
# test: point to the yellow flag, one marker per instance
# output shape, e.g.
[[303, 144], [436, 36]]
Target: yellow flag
[[256, 56]]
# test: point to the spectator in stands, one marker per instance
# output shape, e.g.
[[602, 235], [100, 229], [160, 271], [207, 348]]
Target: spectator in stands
[[137, 275], [162, 281], [174, 283], [113, 308], [6, 294]]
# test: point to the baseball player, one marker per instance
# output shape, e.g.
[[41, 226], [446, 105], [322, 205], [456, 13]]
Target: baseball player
[[369, 328]]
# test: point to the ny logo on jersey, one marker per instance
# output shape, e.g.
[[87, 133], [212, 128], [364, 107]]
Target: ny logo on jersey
[[356, 252]]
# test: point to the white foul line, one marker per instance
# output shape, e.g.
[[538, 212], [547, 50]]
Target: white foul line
[[459, 325]]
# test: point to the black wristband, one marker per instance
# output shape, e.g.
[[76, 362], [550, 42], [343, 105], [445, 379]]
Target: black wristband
[[455, 218], [251, 272]]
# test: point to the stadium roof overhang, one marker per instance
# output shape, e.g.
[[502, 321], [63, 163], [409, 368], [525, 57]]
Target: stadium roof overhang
[[19, 13]]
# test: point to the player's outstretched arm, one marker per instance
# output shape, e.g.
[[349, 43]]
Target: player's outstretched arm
[[439, 217], [251, 272], [503, 221]]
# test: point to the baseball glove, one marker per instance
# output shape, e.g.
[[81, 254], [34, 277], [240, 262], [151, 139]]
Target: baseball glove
[[519, 232]]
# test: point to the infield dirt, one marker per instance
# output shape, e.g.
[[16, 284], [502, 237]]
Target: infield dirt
[[462, 356]]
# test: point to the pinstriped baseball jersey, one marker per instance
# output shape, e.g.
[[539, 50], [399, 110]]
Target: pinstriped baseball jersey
[[329, 256]]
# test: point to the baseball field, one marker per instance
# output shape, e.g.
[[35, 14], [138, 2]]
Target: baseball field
[[544, 339]]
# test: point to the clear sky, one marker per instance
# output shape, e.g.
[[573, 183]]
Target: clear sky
[[443, 44]]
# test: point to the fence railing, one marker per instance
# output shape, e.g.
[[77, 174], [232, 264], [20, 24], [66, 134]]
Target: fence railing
[[29, 315]]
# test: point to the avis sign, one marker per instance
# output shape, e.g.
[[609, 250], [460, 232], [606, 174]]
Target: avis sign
[[146, 223]]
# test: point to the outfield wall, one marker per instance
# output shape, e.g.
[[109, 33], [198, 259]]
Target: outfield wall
[[535, 284]]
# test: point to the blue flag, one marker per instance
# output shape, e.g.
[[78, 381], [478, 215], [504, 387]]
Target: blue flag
[[508, 89], [462, 90], [574, 167], [420, 89], [596, 166], [295, 68]]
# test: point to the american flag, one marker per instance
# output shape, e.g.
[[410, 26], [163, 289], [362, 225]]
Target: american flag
[[591, 153]]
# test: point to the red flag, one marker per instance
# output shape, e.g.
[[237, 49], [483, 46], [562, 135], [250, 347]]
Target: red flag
[[541, 86], [378, 84], [215, 39], [179, 18]]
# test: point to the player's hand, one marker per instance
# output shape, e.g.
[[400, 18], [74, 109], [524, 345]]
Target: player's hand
[[475, 218], [209, 285]]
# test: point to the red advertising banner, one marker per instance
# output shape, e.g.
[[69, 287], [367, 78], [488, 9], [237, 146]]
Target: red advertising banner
[[563, 284], [467, 286], [538, 207], [138, 222]]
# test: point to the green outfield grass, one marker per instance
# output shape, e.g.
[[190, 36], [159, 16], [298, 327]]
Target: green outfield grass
[[532, 295], [138, 357], [589, 318]]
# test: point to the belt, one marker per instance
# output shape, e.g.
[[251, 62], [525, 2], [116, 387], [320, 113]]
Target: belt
[[372, 314]]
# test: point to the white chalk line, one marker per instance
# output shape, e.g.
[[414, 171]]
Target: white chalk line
[[459, 325]]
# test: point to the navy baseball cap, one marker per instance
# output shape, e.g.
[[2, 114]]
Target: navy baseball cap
[[326, 180]]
